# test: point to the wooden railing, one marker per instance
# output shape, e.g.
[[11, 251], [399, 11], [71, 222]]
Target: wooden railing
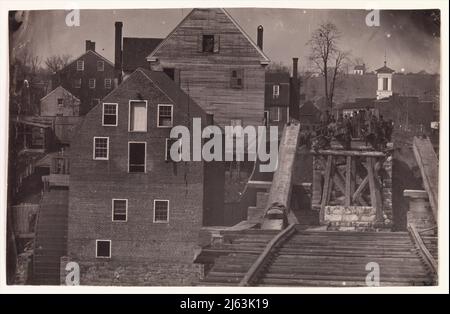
[[429, 168], [424, 252], [251, 276]]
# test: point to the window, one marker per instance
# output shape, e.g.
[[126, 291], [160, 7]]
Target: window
[[385, 83], [275, 114], [138, 116], [100, 66], [266, 118], [119, 209], [170, 72], [77, 83], [160, 211], [80, 65], [276, 91], [109, 114], [103, 248], [169, 143], [165, 116], [108, 83], [101, 148], [208, 43], [60, 102], [237, 78], [91, 83], [136, 156]]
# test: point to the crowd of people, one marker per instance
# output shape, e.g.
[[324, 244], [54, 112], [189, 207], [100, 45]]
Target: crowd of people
[[362, 124]]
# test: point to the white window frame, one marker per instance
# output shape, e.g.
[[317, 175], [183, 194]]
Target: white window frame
[[154, 211], [276, 91], [89, 83], [80, 65], [126, 209], [107, 148], [96, 248], [103, 66], [171, 116], [110, 83], [103, 114], [145, 158], [129, 115]]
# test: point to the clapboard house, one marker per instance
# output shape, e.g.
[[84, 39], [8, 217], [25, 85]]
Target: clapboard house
[[211, 57], [90, 77], [134, 213]]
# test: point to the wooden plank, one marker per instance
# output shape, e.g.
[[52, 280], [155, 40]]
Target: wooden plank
[[429, 168], [348, 179], [428, 258], [259, 184], [372, 186], [364, 182], [348, 153], [326, 187], [353, 176], [263, 257]]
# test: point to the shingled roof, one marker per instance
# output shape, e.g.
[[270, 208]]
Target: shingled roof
[[135, 51]]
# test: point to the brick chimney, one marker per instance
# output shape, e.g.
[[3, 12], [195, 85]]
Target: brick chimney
[[90, 45], [259, 38], [294, 94], [118, 52]]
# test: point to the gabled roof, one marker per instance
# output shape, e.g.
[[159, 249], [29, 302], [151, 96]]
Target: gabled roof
[[59, 88], [264, 59], [172, 90], [85, 53], [135, 51], [360, 67], [384, 69]]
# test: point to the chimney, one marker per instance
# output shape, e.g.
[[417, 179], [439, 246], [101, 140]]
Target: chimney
[[259, 38], [294, 95], [295, 68], [118, 51], [90, 45]]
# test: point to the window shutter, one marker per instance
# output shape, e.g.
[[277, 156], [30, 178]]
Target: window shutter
[[199, 43], [216, 43]]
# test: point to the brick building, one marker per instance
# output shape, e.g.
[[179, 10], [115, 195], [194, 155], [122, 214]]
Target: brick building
[[90, 77], [134, 215]]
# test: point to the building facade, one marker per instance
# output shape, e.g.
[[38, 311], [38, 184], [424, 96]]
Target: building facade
[[217, 64], [133, 212], [89, 77]]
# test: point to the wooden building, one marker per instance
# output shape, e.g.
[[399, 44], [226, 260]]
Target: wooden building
[[217, 64], [59, 103], [132, 210], [90, 77]]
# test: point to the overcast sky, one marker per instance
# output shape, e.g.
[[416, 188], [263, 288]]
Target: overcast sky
[[410, 38]]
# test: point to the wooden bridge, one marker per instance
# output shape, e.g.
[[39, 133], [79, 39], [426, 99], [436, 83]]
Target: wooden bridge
[[349, 188]]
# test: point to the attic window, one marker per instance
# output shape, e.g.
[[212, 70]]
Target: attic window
[[100, 66], [60, 102], [165, 116], [80, 65], [208, 43], [276, 91], [237, 78], [110, 114]]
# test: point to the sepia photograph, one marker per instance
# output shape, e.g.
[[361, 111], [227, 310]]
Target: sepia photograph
[[218, 147]]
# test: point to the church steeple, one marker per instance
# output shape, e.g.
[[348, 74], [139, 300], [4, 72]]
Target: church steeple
[[384, 75]]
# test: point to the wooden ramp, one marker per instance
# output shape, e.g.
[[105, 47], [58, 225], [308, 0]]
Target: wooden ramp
[[296, 257], [429, 168]]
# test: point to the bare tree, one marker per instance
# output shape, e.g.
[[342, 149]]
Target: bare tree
[[278, 67], [326, 56], [57, 62]]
